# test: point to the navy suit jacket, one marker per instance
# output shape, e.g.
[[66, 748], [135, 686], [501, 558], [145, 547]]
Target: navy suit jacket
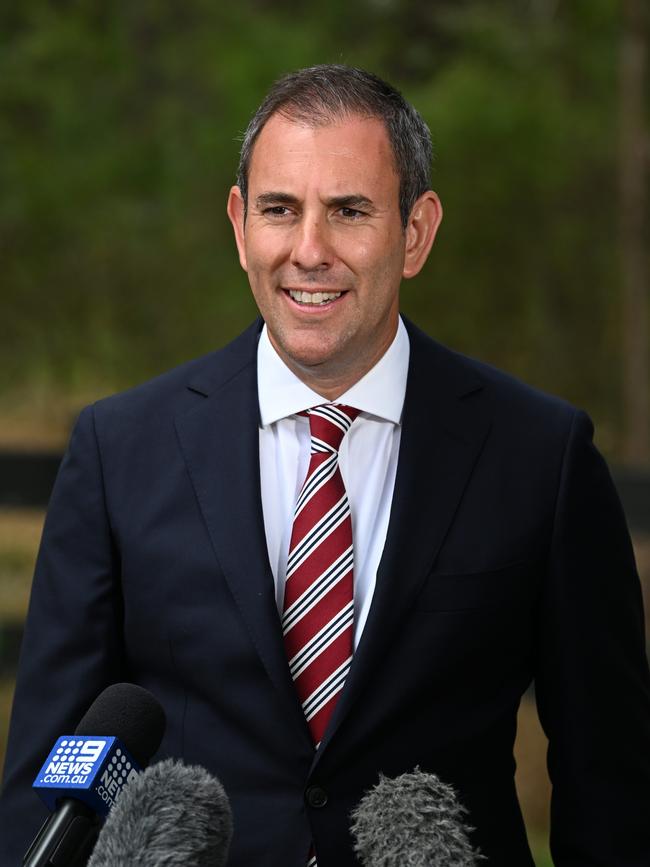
[[507, 559]]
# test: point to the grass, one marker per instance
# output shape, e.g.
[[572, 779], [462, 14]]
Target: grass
[[20, 532], [542, 858], [533, 785], [6, 695]]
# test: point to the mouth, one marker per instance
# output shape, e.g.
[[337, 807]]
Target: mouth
[[313, 299]]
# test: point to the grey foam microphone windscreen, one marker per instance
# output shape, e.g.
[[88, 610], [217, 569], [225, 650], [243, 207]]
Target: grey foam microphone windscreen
[[413, 819], [172, 814]]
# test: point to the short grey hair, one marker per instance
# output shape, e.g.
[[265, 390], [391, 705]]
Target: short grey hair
[[321, 95]]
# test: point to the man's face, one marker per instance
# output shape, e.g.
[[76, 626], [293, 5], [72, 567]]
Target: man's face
[[323, 245]]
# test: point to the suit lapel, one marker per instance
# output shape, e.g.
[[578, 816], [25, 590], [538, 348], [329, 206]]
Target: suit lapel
[[443, 431], [219, 440]]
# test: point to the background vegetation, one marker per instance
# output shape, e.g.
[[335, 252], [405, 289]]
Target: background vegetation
[[119, 130], [119, 127]]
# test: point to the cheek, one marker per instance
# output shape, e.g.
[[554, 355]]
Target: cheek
[[264, 252], [362, 253], [376, 251], [380, 267]]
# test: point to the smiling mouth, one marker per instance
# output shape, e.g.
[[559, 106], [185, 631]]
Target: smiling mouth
[[313, 299]]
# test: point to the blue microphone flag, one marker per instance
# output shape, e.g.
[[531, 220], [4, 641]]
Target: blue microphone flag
[[91, 769]]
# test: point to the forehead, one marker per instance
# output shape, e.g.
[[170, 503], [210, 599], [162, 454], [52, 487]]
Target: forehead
[[350, 152]]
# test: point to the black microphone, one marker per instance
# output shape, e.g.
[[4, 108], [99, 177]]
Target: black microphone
[[171, 814], [85, 772], [414, 819]]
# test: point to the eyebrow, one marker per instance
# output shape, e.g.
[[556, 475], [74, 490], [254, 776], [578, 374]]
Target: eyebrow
[[275, 199], [356, 200]]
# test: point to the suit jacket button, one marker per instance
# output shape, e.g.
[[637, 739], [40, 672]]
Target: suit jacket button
[[315, 796]]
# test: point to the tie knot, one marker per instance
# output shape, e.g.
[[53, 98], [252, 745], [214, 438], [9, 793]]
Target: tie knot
[[328, 425]]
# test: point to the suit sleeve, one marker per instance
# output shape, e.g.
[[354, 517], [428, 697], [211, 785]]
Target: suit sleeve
[[592, 682], [72, 645]]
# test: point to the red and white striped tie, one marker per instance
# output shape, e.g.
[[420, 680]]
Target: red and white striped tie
[[318, 597]]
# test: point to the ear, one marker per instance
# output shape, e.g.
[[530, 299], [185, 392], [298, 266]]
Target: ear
[[235, 209], [421, 229]]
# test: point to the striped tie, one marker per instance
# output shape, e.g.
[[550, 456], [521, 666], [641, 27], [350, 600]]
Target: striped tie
[[318, 596]]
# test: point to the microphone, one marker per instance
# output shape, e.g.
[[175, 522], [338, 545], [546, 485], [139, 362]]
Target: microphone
[[85, 772], [171, 814], [414, 819]]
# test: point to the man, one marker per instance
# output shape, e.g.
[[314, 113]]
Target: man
[[191, 536]]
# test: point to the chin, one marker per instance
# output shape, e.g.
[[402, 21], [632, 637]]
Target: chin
[[312, 351], [309, 360]]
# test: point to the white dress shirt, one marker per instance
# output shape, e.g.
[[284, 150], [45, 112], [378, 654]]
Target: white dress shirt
[[367, 458]]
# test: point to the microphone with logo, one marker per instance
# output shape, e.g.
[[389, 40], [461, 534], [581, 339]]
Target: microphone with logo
[[85, 772], [171, 814], [413, 819]]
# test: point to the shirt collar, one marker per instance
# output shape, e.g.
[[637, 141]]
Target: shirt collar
[[380, 392]]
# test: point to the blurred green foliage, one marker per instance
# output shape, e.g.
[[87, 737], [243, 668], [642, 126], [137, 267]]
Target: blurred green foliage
[[118, 142]]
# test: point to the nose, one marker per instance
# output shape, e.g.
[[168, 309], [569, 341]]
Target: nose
[[312, 250]]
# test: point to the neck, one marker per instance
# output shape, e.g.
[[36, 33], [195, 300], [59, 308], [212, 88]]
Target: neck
[[331, 379]]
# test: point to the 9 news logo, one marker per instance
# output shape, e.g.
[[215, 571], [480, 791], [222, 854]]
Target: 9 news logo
[[91, 769], [71, 761]]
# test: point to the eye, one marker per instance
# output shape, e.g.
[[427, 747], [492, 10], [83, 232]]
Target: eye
[[276, 211], [351, 213]]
